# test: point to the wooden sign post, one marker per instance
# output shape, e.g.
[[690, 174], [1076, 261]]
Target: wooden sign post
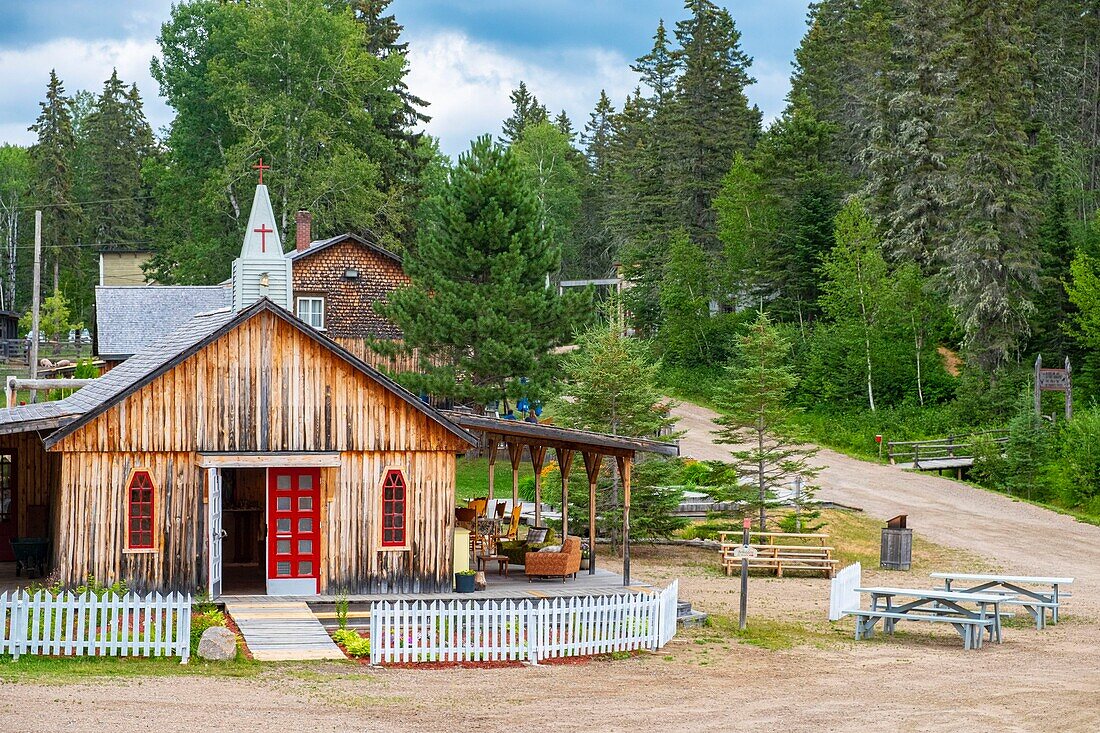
[[1053, 380]]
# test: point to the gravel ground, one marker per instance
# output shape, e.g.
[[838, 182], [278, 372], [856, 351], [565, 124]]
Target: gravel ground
[[704, 680]]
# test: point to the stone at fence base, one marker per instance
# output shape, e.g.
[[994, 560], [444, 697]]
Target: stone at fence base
[[218, 644], [479, 580]]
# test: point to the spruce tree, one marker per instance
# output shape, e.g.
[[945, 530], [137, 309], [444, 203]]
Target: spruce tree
[[594, 238], [118, 140], [52, 159], [659, 68], [989, 265], [479, 311], [526, 110], [710, 118], [755, 400]]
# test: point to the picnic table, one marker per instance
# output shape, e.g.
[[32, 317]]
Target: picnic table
[[793, 551], [1036, 601], [970, 614]]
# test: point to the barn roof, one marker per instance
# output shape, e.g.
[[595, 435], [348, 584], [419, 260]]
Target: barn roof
[[203, 329], [320, 244], [161, 356], [130, 317]]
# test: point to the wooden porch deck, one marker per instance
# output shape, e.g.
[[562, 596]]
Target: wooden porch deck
[[513, 586]]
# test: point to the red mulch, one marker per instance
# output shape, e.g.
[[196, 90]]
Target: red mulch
[[232, 626]]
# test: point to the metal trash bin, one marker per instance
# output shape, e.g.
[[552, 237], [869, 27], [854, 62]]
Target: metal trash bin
[[897, 545]]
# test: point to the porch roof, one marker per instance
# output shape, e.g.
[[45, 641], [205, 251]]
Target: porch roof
[[553, 436]]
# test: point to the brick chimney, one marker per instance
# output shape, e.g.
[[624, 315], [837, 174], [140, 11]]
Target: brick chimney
[[304, 233]]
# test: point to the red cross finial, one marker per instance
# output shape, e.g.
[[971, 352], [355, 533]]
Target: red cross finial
[[261, 168], [264, 231]]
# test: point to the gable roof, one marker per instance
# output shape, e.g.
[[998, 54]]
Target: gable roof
[[130, 376], [130, 317], [555, 436], [320, 244]]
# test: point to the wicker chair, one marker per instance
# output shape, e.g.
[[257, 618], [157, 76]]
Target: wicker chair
[[561, 564]]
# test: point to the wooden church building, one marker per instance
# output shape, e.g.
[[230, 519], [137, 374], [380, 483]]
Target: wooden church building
[[244, 453]]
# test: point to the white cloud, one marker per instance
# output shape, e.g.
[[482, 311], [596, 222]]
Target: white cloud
[[80, 65], [468, 83], [770, 90]]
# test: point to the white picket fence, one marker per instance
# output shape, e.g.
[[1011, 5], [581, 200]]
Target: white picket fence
[[86, 625], [526, 630], [842, 595]]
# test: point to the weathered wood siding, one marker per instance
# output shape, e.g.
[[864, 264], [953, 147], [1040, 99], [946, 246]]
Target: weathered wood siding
[[390, 364], [265, 387]]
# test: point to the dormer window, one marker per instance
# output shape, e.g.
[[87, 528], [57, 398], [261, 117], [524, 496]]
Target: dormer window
[[311, 309]]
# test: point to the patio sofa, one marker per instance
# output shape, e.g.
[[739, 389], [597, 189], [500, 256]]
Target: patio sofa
[[564, 563]]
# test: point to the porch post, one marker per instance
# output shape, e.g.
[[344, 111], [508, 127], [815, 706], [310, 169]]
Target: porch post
[[565, 465], [493, 441], [515, 454], [625, 463], [592, 463], [538, 457]]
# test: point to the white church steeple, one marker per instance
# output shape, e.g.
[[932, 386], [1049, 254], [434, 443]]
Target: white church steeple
[[262, 270]]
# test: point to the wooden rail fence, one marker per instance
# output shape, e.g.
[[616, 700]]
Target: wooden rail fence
[[954, 451], [526, 630], [88, 625]]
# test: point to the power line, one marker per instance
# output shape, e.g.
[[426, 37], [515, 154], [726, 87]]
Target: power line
[[80, 203]]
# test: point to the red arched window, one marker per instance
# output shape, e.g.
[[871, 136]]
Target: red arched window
[[394, 509], [139, 497]]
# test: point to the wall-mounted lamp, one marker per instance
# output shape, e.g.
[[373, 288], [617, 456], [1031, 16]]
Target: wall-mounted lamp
[[351, 274]]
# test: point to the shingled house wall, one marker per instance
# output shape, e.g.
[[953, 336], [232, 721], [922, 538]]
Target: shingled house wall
[[350, 315], [349, 304]]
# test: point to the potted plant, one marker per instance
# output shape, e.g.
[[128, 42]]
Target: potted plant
[[586, 554], [464, 581]]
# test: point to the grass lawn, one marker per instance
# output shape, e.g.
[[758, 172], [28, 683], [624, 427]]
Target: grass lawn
[[472, 477], [29, 668]]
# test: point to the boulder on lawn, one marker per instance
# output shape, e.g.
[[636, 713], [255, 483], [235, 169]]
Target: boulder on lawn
[[218, 644]]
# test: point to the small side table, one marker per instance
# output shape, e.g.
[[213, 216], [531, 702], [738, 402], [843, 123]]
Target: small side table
[[502, 563]]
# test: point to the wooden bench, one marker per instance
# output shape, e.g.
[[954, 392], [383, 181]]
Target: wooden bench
[[813, 557]]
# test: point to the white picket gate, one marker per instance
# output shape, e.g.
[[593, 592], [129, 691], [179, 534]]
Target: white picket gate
[[88, 625], [842, 594], [520, 629]]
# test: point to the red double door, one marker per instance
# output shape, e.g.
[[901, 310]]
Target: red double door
[[293, 531]]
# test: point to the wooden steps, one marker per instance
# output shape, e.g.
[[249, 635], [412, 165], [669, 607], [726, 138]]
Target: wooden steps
[[282, 631]]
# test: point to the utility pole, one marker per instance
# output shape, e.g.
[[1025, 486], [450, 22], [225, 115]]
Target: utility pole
[[36, 298]]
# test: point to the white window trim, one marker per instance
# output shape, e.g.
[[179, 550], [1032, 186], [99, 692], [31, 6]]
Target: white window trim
[[298, 308]]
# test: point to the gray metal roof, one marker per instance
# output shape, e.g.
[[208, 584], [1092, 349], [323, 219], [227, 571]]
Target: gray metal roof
[[319, 244], [133, 371], [129, 317]]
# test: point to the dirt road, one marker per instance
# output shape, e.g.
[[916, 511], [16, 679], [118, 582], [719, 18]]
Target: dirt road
[[1020, 537], [704, 680]]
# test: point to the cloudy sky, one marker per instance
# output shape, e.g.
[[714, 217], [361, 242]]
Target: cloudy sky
[[465, 55]]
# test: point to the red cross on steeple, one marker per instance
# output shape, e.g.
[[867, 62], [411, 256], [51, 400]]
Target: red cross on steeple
[[264, 231], [261, 168]]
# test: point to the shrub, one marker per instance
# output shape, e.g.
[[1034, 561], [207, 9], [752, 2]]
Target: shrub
[[1080, 458], [200, 622], [353, 643]]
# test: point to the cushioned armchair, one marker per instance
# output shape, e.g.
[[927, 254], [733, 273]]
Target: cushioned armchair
[[563, 563]]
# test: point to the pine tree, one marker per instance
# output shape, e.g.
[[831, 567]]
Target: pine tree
[[710, 118], [52, 159], [989, 265], [756, 405], [659, 68], [907, 180], [118, 141], [526, 110], [594, 238], [479, 311]]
